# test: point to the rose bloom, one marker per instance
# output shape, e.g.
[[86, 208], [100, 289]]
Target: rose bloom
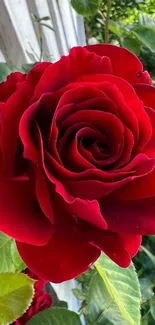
[[77, 141], [40, 301]]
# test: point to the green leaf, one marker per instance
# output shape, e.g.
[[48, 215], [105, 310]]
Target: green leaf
[[86, 276], [27, 67], [86, 7], [153, 311], [115, 28], [149, 254], [132, 44], [16, 294], [146, 35], [101, 306], [123, 288], [144, 321], [18, 262], [146, 286], [55, 316], [6, 69], [62, 304], [152, 238], [79, 294], [6, 264], [10, 261]]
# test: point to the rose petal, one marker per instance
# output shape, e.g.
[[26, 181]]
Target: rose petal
[[131, 244], [66, 256], [119, 248], [20, 214], [43, 196], [121, 104], [86, 209], [129, 217], [125, 64], [145, 186], [146, 93], [131, 99], [93, 189], [12, 113], [78, 63], [8, 87]]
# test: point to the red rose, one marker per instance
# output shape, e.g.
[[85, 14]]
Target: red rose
[[77, 160], [40, 301]]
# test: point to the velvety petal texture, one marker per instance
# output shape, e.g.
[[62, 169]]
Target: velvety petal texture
[[77, 160]]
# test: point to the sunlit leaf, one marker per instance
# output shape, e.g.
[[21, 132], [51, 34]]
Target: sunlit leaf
[[16, 293]]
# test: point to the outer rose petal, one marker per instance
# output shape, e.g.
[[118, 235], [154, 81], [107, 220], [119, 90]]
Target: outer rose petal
[[72, 251], [119, 248], [20, 215], [66, 256], [125, 64], [8, 87], [147, 94], [129, 217], [131, 243], [78, 63], [13, 111]]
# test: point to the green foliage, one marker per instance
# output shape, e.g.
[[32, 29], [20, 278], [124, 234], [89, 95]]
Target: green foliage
[[145, 265], [102, 299], [10, 261], [6, 69], [148, 59], [16, 259], [131, 43], [111, 296], [138, 38], [123, 290], [126, 11], [101, 306], [86, 7], [146, 35], [55, 316], [122, 9], [16, 294], [27, 67]]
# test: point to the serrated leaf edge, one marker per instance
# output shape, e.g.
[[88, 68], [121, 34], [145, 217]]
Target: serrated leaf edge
[[33, 293]]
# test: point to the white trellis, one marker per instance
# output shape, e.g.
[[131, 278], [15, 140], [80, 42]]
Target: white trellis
[[19, 34]]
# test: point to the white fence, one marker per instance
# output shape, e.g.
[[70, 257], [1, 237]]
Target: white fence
[[20, 36]]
